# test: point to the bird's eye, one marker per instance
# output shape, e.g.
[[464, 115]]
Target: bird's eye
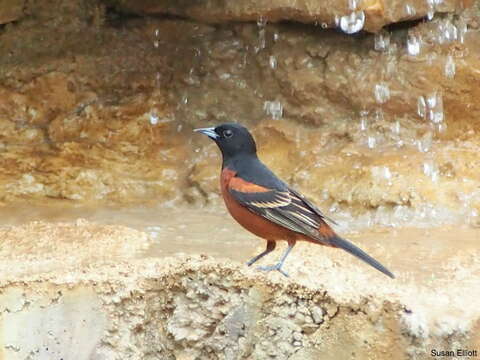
[[227, 133]]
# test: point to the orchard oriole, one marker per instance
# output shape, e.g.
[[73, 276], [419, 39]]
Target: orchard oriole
[[268, 207]]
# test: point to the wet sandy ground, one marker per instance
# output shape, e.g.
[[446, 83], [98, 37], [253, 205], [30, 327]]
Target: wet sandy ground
[[411, 253]]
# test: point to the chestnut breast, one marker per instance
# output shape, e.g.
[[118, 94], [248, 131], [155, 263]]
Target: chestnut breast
[[254, 223]]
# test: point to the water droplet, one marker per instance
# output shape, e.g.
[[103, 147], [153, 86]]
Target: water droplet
[[276, 36], [431, 58], [353, 22], [431, 101], [382, 93], [424, 144], [225, 76], [386, 173], [421, 107], [430, 169], [274, 109], [435, 107], [474, 217], [378, 115], [156, 43], [261, 23], [450, 67], [324, 25], [462, 30], [396, 127], [441, 127], [431, 9], [273, 62], [352, 4], [451, 32], [157, 79], [391, 68], [191, 79], [153, 118], [371, 142], [363, 120], [430, 13], [333, 208], [413, 45], [242, 84], [446, 32], [410, 10], [363, 124], [325, 194], [382, 172], [337, 20], [382, 41], [297, 137]]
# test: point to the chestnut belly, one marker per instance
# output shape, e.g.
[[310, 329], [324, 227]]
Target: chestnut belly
[[257, 224]]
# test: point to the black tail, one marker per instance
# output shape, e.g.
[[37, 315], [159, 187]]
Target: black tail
[[359, 253]]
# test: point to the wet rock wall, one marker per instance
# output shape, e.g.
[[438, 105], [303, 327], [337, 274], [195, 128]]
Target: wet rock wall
[[98, 104]]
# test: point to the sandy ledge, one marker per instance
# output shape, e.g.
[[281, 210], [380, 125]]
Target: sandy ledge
[[87, 291]]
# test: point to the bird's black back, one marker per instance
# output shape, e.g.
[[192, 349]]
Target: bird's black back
[[251, 169]]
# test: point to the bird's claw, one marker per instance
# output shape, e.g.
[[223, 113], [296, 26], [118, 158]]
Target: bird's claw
[[250, 262], [277, 267]]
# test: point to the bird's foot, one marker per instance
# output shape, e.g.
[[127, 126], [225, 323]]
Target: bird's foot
[[277, 267], [250, 262]]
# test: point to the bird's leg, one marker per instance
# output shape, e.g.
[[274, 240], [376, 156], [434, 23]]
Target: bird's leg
[[270, 247], [278, 266]]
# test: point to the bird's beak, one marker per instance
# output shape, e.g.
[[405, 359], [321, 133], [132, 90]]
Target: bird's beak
[[210, 132]]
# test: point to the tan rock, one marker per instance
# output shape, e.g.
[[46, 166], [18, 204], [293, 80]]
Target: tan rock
[[99, 108], [90, 283], [378, 13], [332, 115], [11, 10], [102, 155]]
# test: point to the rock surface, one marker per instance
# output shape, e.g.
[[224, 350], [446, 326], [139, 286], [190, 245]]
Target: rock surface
[[98, 106], [79, 303], [11, 10], [377, 13], [101, 109]]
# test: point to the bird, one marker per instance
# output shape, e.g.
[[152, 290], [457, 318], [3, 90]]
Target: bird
[[268, 207]]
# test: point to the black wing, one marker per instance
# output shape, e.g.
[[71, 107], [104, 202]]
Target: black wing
[[285, 207], [312, 207]]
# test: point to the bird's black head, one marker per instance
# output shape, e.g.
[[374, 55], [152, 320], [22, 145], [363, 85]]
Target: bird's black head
[[232, 139]]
